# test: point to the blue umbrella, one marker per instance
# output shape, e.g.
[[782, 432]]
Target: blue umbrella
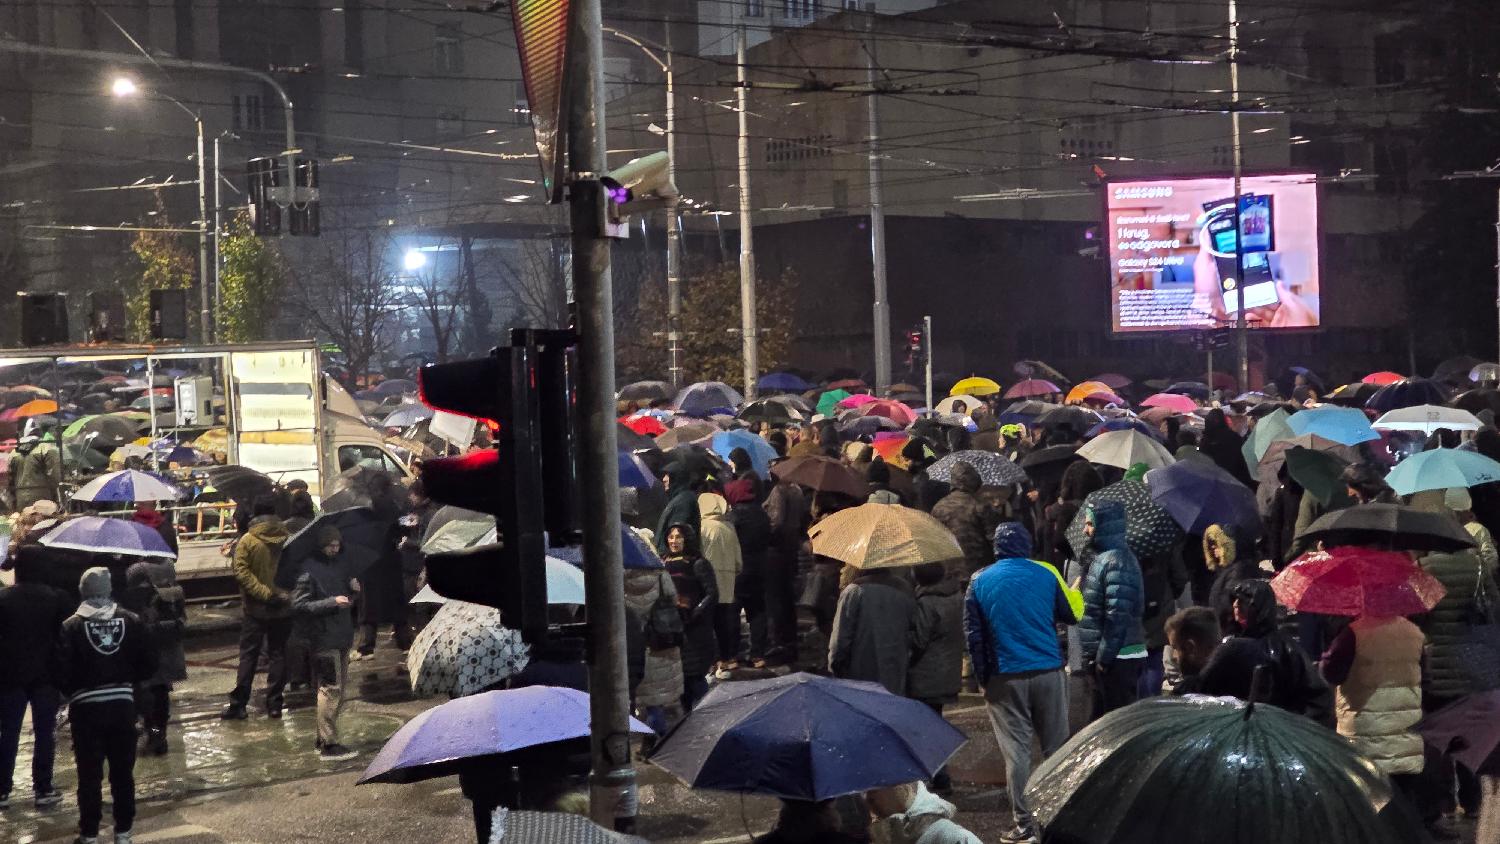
[[1198, 494], [802, 737], [127, 486], [437, 742], [788, 382], [761, 452], [1123, 423], [406, 415], [103, 535], [1408, 393], [705, 397], [637, 553], [1442, 468], [1271, 427], [1344, 425], [634, 473]]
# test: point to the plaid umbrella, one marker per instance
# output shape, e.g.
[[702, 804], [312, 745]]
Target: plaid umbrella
[[994, 469], [1149, 529]]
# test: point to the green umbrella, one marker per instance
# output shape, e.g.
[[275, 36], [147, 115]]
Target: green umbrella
[[1317, 471], [1201, 770], [828, 403], [73, 429], [1272, 427]]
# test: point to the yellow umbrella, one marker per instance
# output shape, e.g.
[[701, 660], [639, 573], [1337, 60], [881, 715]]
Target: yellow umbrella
[[214, 439], [882, 536], [975, 386], [1086, 389]]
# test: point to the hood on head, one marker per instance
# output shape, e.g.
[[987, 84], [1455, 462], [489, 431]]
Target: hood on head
[[1261, 613], [679, 477], [1217, 536], [1109, 522], [712, 504], [1012, 540], [269, 529], [963, 477], [690, 548]]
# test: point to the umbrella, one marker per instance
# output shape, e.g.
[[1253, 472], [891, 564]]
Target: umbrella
[[631, 441], [1175, 402], [1456, 369], [881, 536], [960, 404], [803, 737], [239, 483], [81, 456], [1198, 494], [994, 469], [1467, 729], [1114, 380], [1196, 389], [128, 486], [788, 382], [1382, 378], [855, 400], [975, 386], [1049, 455], [1483, 398], [853, 425], [1340, 424], [102, 535], [1104, 398], [773, 412], [1428, 418], [645, 425], [646, 391], [635, 552], [464, 649], [1391, 526], [1086, 389], [1270, 464], [1157, 415], [1249, 773], [406, 415], [1149, 528], [828, 403], [1485, 372], [1442, 468], [821, 474], [1125, 449], [564, 586], [1031, 387], [1352, 395], [365, 538], [1124, 423], [796, 403], [1078, 418], [684, 434], [1268, 429], [849, 385], [1033, 368], [890, 409], [761, 453], [634, 473], [436, 742], [1319, 472], [701, 398], [35, 407], [1355, 582], [1410, 393], [888, 445], [459, 533], [103, 432], [395, 387]]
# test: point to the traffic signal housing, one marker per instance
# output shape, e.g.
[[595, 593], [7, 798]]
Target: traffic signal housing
[[304, 214], [263, 179]]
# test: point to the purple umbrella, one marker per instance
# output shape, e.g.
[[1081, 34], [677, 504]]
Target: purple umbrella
[[1468, 729], [1198, 494], [102, 535], [436, 742]]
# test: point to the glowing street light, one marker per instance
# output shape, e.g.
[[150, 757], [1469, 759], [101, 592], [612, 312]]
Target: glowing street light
[[414, 260], [123, 86]]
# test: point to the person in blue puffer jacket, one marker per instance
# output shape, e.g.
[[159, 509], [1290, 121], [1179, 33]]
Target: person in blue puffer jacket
[[1110, 632]]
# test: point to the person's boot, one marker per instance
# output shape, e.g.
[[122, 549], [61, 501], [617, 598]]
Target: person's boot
[[234, 712], [156, 742]]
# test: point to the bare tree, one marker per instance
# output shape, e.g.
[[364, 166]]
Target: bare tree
[[532, 276], [437, 298], [348, 293]]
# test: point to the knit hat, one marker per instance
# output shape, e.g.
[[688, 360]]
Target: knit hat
[[328, 534], [1458, 499], [95, 584]]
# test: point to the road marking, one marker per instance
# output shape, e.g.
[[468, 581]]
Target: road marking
[[964, 709], [447, 791], [733, 838], [172, 833]]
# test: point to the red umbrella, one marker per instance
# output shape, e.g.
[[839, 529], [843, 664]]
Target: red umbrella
[[890, 409], [1171, 401], [1032, 387], [1353, 581], [853, 385], [1383, 378], [646, 426]]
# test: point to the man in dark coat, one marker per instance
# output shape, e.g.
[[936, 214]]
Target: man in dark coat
[[965, 517], [1288, 677], [871, 637], [937, 645], [1222, 445], [152, 592], [682, 504], [752, 527], [383, 591], [1110, 632], [31, 614], [788, 514], [323, 602]]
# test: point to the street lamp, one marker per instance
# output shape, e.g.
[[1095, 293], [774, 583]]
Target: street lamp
[[413, 260], [124, 86]]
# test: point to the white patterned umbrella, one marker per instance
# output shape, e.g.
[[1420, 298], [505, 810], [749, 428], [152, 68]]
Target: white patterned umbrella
[[463, 650], [993, 469]]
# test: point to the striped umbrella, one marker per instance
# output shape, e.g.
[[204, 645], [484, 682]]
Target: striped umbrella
[[127, 486]]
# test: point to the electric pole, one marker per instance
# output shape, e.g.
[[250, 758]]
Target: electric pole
[[1242, 327], [882, 305], [749, 333]]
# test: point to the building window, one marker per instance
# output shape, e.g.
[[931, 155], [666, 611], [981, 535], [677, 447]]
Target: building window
[[354, 34], [448, 51], [800, 9], [248, 113], [784, 152], [755, 8], [450, 123], [851, 5]]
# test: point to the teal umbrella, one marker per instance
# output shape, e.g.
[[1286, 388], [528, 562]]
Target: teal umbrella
[[828, 403], [1442, 468], [1271, 427]]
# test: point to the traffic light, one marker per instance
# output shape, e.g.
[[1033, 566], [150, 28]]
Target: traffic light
[[303, 214], [916, 348], [263, 179], [642, 184]]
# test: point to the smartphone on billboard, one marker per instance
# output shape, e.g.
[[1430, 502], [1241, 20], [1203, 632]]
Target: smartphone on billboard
[[1259, 282], [1257, 229]]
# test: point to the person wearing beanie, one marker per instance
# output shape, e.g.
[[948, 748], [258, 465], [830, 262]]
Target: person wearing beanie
[[31, 613], [322, 609], [102, 653], [153, 593]]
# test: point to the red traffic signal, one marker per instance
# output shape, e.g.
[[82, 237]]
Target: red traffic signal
[[479, 388]]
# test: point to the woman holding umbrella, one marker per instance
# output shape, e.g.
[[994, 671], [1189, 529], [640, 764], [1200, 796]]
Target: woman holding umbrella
[[697, 600]]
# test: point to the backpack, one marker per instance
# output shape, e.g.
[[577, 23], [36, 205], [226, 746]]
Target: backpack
[[664, 627]]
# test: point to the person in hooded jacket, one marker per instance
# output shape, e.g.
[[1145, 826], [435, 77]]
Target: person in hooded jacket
[[323, 602], [383, 598], [152, 592], [31, 614], [34, 473], [266, 607], [1078, 480], [1289, 680], [871, 632], [1111, 635], [1222, 445], [697, 587], [910, 814], [721, 547], [965, 517], [682, 504], [937, 645], [1221, 554], [752, 529]]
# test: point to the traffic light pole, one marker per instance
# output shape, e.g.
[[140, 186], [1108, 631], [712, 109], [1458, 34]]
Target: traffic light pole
[[1242, 326], [612, 789], [749, 332], [882, 305]]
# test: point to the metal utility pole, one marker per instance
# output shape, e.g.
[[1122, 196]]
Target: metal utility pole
[[674, 239], [749, 332], [205, 316], [612, 789], [882, 305], [927, 336], [1497, 266], [218, 229], [1242, 328]]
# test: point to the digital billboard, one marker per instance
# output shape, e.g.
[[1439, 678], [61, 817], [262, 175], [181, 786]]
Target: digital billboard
[[1172, 253]]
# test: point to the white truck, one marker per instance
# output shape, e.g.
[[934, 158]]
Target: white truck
[[277, 411]]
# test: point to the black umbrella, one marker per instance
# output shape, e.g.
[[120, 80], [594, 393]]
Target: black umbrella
[[1073, 416], [1201, 770], [365, 538], [631, 441], [1062, 454], [1456, 370], [1393, 526], [647, 391], [1483, 398], [776, 413], [1408, 393], [238, 482], [1352, 395], [1196, 389]]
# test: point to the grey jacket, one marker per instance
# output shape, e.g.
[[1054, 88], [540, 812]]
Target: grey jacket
[[320, 621], [872, 630]]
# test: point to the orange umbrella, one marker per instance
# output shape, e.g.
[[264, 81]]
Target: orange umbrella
[[36, 407], [1086, 389], [889, 448]]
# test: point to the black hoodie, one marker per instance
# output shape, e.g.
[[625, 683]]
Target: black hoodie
[[1289, 681]]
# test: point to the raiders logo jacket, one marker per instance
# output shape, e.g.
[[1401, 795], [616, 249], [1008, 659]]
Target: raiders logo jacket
[[102, 653]]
